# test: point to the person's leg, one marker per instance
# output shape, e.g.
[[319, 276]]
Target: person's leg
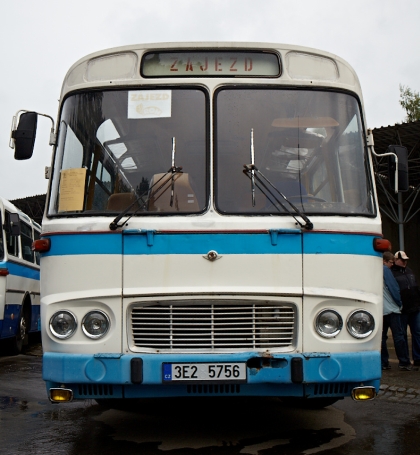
[[400, 342], [414, 322], [384, 349]]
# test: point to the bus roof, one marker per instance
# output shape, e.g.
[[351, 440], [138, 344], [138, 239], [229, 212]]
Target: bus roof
[[300, 66]]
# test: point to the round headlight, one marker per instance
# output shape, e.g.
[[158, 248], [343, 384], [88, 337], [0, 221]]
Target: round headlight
[[63, 324], [95, 324], [328, 323], [360, 324]]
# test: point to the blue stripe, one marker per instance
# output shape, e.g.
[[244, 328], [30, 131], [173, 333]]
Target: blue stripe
[[137, 243], [79, 244], [20, 270], [332, 243], [203, 243]]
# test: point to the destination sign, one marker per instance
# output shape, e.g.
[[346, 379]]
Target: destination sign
[[210, 64]]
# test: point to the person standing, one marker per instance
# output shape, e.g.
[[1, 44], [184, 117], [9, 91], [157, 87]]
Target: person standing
[[410, 297], [392, 319]]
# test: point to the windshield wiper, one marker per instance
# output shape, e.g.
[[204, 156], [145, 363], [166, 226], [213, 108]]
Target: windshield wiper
[[142, 203], [268, 189], [252, 172]]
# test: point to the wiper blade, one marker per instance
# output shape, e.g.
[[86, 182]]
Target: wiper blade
[[268, 189]]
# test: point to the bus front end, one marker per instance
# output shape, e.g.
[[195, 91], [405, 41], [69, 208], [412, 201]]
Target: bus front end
[[211, 229]]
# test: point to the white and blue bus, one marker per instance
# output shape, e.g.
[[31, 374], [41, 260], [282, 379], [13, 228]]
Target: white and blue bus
[[211, 227], [19, 278]]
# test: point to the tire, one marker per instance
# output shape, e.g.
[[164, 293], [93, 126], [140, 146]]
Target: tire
[[20, 339]]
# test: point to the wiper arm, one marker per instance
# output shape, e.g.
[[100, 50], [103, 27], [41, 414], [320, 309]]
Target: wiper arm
[[172, 171], [142, 203], [267, 188]]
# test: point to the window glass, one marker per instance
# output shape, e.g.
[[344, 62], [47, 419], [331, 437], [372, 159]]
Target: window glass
[[118, 147], [26, 242], [307, 146], [12, 242]]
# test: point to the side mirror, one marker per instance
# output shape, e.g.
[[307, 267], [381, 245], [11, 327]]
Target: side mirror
[[402, 155], [24, 135], [14, 224]]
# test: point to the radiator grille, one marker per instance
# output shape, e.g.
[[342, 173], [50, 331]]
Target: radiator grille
[[213, 326]]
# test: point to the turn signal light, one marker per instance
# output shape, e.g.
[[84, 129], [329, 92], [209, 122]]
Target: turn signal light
[[41, 245], [364, 393], [61, 395], [4, 272], [382, 245]]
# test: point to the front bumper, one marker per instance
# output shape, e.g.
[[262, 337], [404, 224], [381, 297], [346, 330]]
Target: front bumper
[[140, 375]]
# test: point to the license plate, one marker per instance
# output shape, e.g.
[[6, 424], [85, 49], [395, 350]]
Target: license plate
[[208, 372]]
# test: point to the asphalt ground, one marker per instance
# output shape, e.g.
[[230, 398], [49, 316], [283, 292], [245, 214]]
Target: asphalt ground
[[397, 384]]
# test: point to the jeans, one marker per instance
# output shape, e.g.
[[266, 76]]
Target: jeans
[[413, 320], [394, 321]]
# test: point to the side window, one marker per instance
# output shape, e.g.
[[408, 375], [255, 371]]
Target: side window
[[26, 242], [12, 242]]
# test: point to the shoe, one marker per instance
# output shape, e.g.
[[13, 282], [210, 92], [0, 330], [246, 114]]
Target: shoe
[[386, 367], [407, 368]]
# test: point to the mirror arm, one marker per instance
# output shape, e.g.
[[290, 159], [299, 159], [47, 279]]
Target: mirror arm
[[370, 144], [53, 137]]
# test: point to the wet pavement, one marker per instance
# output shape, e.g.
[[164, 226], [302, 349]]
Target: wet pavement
[[29, 423]]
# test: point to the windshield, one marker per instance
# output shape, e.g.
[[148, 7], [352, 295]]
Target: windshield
[[115, 149], [308, 144]]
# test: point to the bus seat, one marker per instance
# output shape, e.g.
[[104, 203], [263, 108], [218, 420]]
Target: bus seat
[[120, 201], [184, 197]]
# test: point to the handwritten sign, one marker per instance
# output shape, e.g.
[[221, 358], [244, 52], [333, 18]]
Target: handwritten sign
[[72, 190]]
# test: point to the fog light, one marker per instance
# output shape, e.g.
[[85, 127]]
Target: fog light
[[61, 395], [63, 324], [360, 324], [95, 324], [363, 393], [328, 323]]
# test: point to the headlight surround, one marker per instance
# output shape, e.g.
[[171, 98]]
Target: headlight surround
[[95, 324], [63, 324], [328, 323], [360, 324]]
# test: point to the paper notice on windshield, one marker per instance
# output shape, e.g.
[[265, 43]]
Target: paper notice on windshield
[[149, 103], [72, 190]]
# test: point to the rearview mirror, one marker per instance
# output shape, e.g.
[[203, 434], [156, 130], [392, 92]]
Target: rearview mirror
[[24, 135], [402, 155]]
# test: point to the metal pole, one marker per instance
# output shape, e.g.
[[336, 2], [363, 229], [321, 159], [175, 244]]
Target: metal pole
[[400, 222]]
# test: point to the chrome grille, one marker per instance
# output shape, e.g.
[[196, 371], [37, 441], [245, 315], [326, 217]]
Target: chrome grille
[[219, 325]]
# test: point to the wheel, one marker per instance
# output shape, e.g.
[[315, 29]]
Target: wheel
[[19, 340]]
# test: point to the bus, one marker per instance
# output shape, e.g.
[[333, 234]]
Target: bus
[[19, 278], [211, 227]]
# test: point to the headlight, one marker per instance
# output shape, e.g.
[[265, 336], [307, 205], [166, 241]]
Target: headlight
[[328, 323], [360, 324], [63, 324], [95, 324]]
